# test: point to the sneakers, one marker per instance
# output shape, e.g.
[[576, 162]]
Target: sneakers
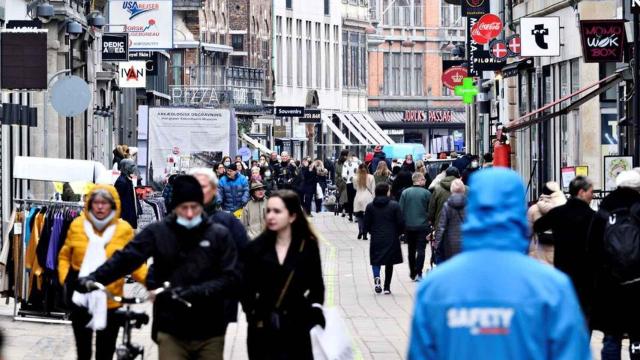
[[418, 278], [387, 292], [359, 236], [378, 287]]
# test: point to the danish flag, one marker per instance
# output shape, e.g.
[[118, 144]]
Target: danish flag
[[514, 45], [499, 50]]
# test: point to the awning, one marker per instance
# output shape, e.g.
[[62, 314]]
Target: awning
[[373, 132], [326, 118], [352, 129], [256, 144], [514, 68], [386, 138], [539, 116], [217, 48], [357, 123], [193, 44]]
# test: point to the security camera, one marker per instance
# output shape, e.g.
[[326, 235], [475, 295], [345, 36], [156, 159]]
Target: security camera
[[44, 12], [74, 29], [97, 20]]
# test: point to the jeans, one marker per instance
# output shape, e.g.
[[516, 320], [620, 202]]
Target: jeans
[[388, 274], [417, 244], [612, 347], [172, 348], [360, 218], [105, 339]]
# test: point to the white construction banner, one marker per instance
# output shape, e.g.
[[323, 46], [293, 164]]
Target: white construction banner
[[183, 138], [149, 23]]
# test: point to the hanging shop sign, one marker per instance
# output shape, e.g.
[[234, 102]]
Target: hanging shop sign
[[475, 7], [467, 91], [23, 59], [132, 74], [115, 47], [432, 116], [453, 76], [24, 24], [602, 40], [149, 23], [311, 116], [514, 44], [149, 57], [488, 27], [289, 111], [540, 36], [502, 49], [480, 59], [446, 64], [635, 6]]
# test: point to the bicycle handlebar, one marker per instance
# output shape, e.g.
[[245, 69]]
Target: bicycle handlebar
[[94, 285]]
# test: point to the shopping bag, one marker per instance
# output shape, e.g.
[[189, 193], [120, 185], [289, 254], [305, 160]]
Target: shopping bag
[[333, 342], [319, 193]]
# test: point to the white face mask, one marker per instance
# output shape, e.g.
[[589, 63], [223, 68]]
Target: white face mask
[[227, 163], [267, 173], [189, 224], [474, 164]]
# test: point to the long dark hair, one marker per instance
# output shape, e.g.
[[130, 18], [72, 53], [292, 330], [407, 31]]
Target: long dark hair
[[300, 228]]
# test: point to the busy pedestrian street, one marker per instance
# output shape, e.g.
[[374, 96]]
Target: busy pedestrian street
[[379, 324]]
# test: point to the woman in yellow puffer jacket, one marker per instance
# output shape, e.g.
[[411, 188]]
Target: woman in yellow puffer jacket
[[92, 239]]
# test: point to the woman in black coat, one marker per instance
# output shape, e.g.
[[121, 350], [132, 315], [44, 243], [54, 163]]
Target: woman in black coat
[[383, 220], [308, 186], [283, 288], [615, 308]]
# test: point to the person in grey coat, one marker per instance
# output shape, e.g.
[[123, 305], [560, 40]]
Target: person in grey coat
[[383, 220], [448, 232]]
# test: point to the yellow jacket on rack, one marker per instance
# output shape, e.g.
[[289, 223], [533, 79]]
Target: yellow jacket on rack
[[75, 245]]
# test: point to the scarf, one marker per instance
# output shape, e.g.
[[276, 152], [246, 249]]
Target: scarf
[[96, 301], [100, 224]]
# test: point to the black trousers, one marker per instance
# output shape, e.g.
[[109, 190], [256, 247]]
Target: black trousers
[[417, 244], [105, 339], [351, 196]]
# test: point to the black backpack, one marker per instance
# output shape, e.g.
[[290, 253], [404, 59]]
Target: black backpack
[[622, 244]]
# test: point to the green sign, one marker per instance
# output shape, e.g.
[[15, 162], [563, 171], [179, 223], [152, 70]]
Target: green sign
[[467, 90]]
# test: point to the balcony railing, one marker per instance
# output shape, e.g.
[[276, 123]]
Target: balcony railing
[[217, 86]]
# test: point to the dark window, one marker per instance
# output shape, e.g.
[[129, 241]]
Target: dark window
[[326, 7], [288, 4], [237, 42]]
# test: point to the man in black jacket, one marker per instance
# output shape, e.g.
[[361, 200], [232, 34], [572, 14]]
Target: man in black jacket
[[570, 225], [198, 258], [209, 183]]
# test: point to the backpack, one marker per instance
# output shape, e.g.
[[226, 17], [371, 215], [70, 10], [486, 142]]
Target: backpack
[[622, 244]]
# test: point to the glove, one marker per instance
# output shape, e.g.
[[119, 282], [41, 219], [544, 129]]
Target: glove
[[85, 284], [317, 317]]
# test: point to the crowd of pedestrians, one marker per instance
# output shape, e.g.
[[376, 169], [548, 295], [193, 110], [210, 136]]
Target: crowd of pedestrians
[[239, 233]]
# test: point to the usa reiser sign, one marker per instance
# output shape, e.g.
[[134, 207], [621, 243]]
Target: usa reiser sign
[[149, 23]]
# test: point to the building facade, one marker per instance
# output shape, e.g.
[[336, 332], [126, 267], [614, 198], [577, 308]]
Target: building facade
[[406, 53], [561, 112]]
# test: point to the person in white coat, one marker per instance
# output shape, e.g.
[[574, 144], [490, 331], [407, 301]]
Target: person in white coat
[[349, 170], [365, 186]]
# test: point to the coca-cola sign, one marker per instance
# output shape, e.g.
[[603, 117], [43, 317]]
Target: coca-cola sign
[[487, 28], [602, 40], [433, 116], [453, 76]]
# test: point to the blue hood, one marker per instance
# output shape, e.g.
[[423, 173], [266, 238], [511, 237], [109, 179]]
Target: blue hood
[[496, 212]]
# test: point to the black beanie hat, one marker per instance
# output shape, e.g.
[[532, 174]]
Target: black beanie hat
[[185, 189], [453, 171]]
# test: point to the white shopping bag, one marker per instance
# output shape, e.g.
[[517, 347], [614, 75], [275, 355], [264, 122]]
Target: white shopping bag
[[333, 342], [319, 193]]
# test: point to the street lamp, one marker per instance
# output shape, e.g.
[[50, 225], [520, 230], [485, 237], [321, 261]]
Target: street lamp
[[44, 12], [96, 20]]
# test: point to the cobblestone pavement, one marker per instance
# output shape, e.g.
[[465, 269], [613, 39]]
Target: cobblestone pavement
[[379, 324]]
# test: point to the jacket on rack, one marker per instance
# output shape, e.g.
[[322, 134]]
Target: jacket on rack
[[74, 248]]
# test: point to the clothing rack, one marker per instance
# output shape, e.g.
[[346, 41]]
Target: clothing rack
[[33, 315]]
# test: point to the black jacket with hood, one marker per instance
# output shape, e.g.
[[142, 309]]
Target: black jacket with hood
[[384, 221], [201, 261]]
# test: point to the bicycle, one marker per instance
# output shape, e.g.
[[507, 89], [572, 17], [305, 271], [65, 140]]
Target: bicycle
[[133, 319]]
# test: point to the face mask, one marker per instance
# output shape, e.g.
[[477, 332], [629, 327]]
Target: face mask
[[227, 163], [474, 164], [189, 224], [101, 224], [267, 174]]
